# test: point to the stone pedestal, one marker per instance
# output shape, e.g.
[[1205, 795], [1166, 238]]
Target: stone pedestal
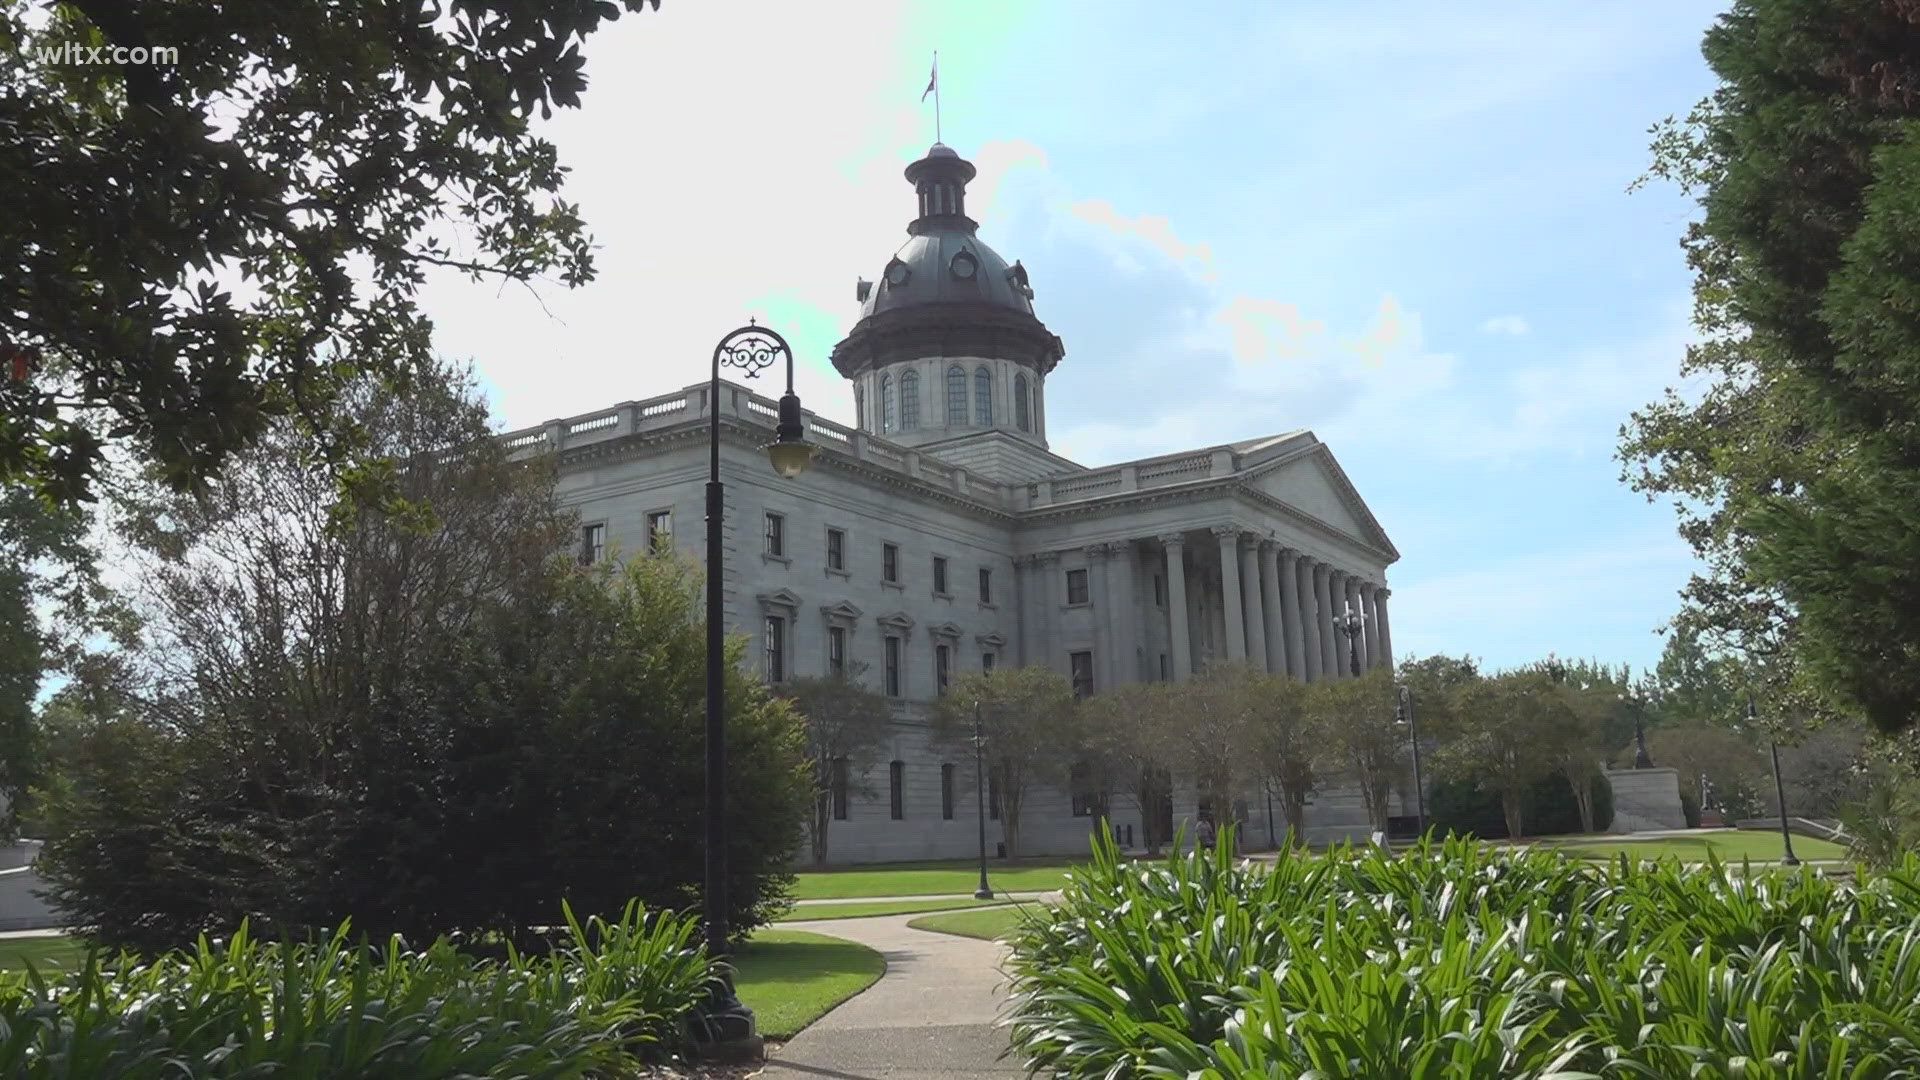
[[1646, 799]]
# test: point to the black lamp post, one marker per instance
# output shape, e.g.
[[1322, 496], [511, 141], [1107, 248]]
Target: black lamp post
[[984, 892], [1350, 624], [751, 349], [1413, 733], [1779, 789]]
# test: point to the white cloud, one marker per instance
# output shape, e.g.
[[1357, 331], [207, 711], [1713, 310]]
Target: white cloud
[[1510, 325]]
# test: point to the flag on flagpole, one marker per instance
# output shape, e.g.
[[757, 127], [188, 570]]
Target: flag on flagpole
[[933, 80]]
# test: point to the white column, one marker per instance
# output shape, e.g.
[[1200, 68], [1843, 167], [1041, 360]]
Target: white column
[[1250, 581], [1033, 623], [1235, 618], [1270, 607], [1101, 597], [1053, 601], [1358, 642], [1372, 612], [1386, 627], [1124, 617], [1312, 653], [1323, 609], [1179, 632], [1291, 632]]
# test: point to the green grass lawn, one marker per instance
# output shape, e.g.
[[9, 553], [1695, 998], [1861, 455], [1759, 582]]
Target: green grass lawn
[[45, 953], [790, 978], [1729, 847], [880, 907], [987, 924], [930, 879]]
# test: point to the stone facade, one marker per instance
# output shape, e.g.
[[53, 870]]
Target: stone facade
[[1143, 570]]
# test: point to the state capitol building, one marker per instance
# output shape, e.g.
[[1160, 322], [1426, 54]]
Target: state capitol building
[[941, 535]]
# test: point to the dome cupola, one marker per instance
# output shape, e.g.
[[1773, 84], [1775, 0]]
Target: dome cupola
[[944, 304]]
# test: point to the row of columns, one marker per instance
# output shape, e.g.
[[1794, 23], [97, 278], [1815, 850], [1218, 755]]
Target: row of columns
[[1283, 609]]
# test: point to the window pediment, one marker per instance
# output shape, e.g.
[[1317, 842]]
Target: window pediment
[[993, 639], [945, 630], [841, 613], [780, 602], [895, 622]]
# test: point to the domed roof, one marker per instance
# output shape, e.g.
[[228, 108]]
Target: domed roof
[[943, 289], [946, 266]]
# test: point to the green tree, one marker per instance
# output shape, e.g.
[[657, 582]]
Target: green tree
[[1503, 736], [1285, 746], [848, 725], [1129, 739], [1690, 685], [1726, 758], [1796, 473], [1027, 719], [418, 713], [321, 152], [1354, 725]]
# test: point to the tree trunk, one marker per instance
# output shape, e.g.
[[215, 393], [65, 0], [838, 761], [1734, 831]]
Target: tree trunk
[[1295, 804], [1582, 781], [822, 816], [1010, 818], [1510, 807]]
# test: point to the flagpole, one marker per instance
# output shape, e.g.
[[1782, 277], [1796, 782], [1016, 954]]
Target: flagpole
[[936, 97]]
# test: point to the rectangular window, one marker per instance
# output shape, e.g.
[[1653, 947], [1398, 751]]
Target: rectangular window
[[946, 792], [939, 574], [890, 563], [839, 785], [1080, 784], [1077, 586], [836, 549], [593, 544], [993, 794], [986, 585], [836, 650], [776, 535], [986, 661], [942, 657], [1082, 674], [660, 531], [1165, 675], [897, 790], [1160, 590], [893, 667], [776, 648]]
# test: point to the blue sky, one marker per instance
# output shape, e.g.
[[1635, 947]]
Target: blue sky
[[1404, 227]]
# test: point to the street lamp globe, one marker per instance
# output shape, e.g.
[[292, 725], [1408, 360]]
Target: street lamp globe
[[790, 451]]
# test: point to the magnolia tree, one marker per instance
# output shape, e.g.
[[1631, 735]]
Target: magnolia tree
[[848, 726], [1497, 738], [1128, 739], [1284, 744], [1026, 716], [1357, 732]]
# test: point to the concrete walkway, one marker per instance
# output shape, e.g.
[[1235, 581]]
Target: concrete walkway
[[930, 1017], [1001, 896]]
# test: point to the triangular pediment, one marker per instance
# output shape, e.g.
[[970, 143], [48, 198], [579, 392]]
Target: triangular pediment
[[841, 611], [993, 639], [897, 621], [780, 598], [1312, 482], [944, 630]]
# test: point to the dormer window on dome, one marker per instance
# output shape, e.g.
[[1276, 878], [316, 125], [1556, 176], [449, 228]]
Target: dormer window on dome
[[965, 265]]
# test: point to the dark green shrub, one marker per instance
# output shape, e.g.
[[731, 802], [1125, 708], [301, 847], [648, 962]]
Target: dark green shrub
[[1458, 959], [1462, 806]]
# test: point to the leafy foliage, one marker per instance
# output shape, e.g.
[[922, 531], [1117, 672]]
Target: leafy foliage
[[1359, 735], [1026, 717], [412, 713], [617, 992], [1457, 960], [1796, 474], [322, 152], [845, 723], [1548, 808]]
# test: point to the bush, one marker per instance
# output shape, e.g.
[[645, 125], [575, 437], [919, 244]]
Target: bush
[[1462, 806], [1456, 959], [411, 710], [618, 993]]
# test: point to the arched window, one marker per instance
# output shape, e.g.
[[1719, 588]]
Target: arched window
[[983, 397], [1022, 410], [956, 397], [886, 405], [909, 400]]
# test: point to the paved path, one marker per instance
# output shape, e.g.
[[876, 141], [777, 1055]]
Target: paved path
[[930, 1017]]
